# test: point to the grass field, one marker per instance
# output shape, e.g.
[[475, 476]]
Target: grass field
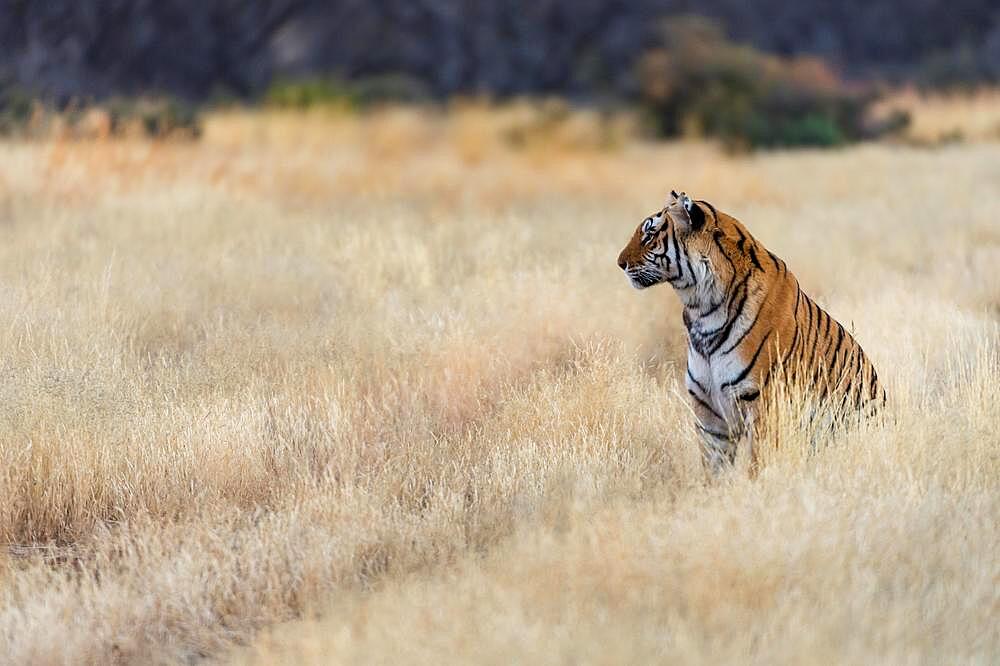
[[334, 389]]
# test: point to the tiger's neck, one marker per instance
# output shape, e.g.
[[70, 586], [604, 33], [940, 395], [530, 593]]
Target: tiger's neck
[[702, 298], [712, 312]]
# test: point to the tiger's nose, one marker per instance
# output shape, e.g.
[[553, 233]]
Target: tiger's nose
[[622, 264]]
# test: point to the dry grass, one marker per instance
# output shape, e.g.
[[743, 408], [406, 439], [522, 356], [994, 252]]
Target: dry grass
[[938, 118], [376, 387]]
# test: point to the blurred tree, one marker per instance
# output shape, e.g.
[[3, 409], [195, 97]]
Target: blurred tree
[[698, 83], [197, 48], [100, 47]]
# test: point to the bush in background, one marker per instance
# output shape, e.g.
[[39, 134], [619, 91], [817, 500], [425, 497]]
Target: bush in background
[[698, 84], [25, 115], [335, 93], [309, 93], [16, 109]]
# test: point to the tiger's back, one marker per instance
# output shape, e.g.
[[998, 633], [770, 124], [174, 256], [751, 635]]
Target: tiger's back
[[749, 324]]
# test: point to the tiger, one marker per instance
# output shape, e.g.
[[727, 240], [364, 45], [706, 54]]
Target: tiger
[[748, 323]]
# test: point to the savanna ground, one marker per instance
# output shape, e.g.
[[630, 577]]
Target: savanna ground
[[350, 390]]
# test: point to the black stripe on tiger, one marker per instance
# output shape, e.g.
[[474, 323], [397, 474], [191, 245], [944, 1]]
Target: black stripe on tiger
[[721, 334], [745, 333], [725, 255], [715, 215], [701, 388], [707, 431], [697, 216], [680, 268], [746, 371], [705, 405]]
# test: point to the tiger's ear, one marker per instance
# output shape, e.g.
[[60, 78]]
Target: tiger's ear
[[685, 213]]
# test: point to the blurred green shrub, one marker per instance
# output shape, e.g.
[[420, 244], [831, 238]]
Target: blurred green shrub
[[309, 93], [17, 108], [697, 83], [330, 92]]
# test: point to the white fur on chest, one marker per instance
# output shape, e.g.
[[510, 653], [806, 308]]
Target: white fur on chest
[[706, 377]]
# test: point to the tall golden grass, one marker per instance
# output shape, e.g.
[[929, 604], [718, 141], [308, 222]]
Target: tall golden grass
[[372, 389]]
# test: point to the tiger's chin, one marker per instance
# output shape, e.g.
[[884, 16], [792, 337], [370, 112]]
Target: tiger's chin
[[641, 281]]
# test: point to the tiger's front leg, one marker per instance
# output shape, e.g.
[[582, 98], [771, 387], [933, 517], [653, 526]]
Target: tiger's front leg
[[718, 444], [726, 426], [746, 409], [717, 455]]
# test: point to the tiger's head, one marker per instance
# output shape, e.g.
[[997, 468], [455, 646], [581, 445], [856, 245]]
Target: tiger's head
[[666, 246]]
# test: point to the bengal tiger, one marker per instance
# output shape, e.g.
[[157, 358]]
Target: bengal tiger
[[748, 322]]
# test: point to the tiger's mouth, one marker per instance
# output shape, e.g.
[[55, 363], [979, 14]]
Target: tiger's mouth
[[642, 278]]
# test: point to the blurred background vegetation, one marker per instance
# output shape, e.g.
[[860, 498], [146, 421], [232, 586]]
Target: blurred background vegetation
[[771, 73]]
